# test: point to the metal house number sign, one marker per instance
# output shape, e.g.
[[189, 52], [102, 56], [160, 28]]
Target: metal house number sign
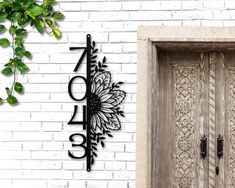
[[102, 112]]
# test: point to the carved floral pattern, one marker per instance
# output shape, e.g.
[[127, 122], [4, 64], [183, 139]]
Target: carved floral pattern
[[185, 123], [231, 122]]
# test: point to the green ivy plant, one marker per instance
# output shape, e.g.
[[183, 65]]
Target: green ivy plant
[[18, 14]]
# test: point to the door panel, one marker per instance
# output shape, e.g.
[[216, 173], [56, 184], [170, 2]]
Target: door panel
[[217, 66], [229, 125], [230, 105], [197, 97], [225, 118], [221, 119], [183, 120]]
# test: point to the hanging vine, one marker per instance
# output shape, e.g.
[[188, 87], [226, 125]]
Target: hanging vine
[[20, 13]]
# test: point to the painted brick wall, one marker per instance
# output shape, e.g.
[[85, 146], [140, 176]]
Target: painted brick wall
[[34, 135]]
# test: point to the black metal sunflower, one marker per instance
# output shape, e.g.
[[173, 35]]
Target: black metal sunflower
[[106, 97]]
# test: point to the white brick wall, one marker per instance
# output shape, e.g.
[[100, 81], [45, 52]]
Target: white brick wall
[[34, 135]]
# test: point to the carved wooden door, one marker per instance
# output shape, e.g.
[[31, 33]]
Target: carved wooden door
[[197, 98]]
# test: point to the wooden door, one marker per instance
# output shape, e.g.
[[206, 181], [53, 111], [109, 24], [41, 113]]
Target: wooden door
[[183, 120], [197, 98]]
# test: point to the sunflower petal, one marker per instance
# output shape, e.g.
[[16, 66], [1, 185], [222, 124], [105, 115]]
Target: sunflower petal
[[114, 123], [92, 122], [104, 92], [102, 116], [118, 96], [99, 89], [106, 105], [108, 115], [98, 121], [106, 110], [104, 98], [93, 87], [104, 78], [110, 101]]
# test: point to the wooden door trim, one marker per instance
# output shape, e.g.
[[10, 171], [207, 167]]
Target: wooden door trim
[[150, 40]]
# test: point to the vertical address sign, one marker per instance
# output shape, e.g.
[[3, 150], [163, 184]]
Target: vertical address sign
[[103, 97]]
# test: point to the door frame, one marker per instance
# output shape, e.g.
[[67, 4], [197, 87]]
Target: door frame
[[150, 39]]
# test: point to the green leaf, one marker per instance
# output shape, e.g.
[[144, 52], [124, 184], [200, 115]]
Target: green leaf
[[19, 51], [39, 24], [16, 6], [30, 14], [18, 41], [4, 42], [58, 15], [11, 100], [35, 11], [1, 100], [20, 65], [18, 87], [7, 71], [9, 64], [56, 33], [26, 3], [23, 20], [15, 16], [2, 28], [3, 16], [12, 29], [28, 54], [21, 32], [49, 22]]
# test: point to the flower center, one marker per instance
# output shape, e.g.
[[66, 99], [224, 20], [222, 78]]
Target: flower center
[[95, 104]]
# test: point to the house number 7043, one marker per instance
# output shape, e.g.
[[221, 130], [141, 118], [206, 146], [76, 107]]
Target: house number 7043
[[85, 144]]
